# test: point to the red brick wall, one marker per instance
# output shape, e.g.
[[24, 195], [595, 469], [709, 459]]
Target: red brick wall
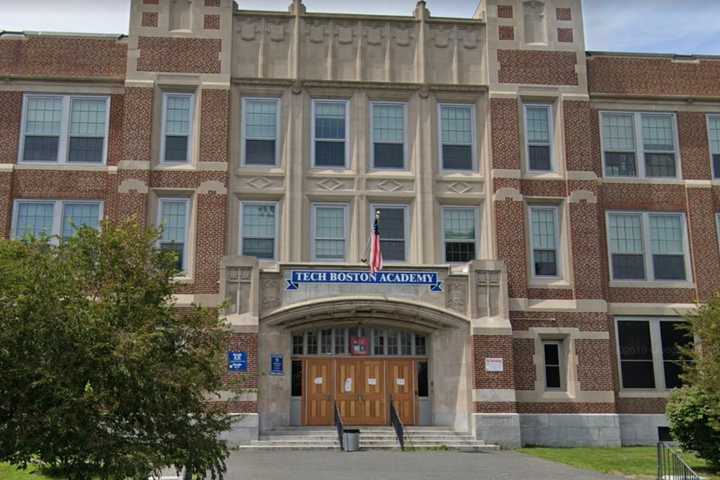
[[493, 346], [138, 124], [511, 224], [588, 244], [652, 76], [243, 342], [651, 197], [703, 235], [641, 405], [694, 145], [586, 322], [46, 57], [566, 407], [505, 121], [593, 368], [186, 55], [214, 127], [5, 203], [524, 367], [537, 67], [10, 118], [578, 136]]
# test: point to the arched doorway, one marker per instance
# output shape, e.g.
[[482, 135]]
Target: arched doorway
[[363, 352]]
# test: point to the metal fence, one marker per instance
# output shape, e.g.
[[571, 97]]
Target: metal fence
[[670, 466]]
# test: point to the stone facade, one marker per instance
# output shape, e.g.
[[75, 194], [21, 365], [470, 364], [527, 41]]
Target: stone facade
[[509, 55]]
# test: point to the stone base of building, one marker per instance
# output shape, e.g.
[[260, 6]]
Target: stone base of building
[[244, 429], [641, 429], [502, 429]]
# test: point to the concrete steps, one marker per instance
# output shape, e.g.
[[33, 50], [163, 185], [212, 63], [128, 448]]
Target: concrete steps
[[371, 438]]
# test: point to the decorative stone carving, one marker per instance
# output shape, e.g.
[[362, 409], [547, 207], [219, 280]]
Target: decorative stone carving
[[374, 35], [459, 187], [469, 38], [345, 34], [271, 293], [317, 33], [277, 31], [456, 295], [330, 184], [259, 183], [237, 289], [442, 37], [488, 293], [403, 36], [248, 31]]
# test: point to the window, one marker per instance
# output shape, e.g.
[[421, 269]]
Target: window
[[628, 137], [538, 136], [177, 127], [59, 219], [297, 375], [423, 380], [393, 231], [330, 231], [650, 352], [545, 234], [64, 129], [260, 131], [174, 219], [647, 246], [388, 130], [460, 227], [382, 342], [330, 133], [258, 230], [554, 375], [456, 137], [714, 134]]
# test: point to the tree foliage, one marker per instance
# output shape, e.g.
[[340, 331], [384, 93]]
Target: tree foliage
[[100, 376], [694, 410]]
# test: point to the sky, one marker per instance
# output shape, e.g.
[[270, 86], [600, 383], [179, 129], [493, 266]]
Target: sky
[[662, 26]]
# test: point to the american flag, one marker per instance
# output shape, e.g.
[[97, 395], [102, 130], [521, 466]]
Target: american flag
[[376, 260]]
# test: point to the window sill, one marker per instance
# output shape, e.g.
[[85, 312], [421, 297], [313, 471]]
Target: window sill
[[260, 168], [331, 170], [650, 284], [647, 180], [174, 166], [549, 283], [182, 280], [644, 393], [536, 175], [556, 395]]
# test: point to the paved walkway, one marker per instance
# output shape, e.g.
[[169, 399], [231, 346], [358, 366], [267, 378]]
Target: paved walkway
[[383, 465]]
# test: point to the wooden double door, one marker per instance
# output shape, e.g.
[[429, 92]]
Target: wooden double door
[[362, 389]]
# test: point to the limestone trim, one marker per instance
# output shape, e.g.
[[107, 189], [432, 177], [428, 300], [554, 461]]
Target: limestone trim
[[493, 395], [645, 394], [579, 196], [133, 185], [553, 305], [530, 396], [577, 334], [507, 193], [64, 167], [659, 309]]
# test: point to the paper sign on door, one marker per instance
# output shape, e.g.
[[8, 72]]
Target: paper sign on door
[[400, 381], [372, 381], [348, 384], [318, 380]]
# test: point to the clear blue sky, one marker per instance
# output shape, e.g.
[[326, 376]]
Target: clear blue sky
[[667, 26]]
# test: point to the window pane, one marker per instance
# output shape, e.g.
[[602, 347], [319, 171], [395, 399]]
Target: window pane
[[388, 124], [420, 345], [176, 148], [379, 342], [625, 234], [179, 249], [669, 267], [260, 248], [34, 219], [41, 149], [457, 157], [177, 115], [312, 346], [258, 229], [634, 340], [538, 125], [392, 343], [657, 131], [330, 154], [673, 338], [326, 339], [297, 374], [330, 121], [716, 165], [298, 343], [666, 234], [714, 134], [330, 222], [619, 164], [539, 157], [393, 250], [173, 217], [87, 117], [261, 119], [44, 116], [660, 164], [88, 150], [545, 263], [459, 223], [628, 267], [543, 228], [340, 341], [423, 380], [392, 223], [456, 124], [459, 251], [260, 152], [618, 132], [635, 354], [552, 377], [76, 215], [406, 343], [389, 155], [552, 354]]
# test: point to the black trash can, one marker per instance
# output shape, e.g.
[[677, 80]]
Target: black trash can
[[351, 440]]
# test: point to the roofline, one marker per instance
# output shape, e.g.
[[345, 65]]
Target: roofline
[[675, 56], [34, 33]]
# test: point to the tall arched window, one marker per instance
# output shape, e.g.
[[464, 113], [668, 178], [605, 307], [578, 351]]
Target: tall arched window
[[534, 12]]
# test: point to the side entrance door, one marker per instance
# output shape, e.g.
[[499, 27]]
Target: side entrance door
[[319, 381], [401, 388]]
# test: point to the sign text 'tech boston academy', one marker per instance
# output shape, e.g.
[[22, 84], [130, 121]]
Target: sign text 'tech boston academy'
[[298, 277]]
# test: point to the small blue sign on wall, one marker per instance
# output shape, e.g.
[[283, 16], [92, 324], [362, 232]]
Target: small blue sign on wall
[[238, 362], [276, 364]]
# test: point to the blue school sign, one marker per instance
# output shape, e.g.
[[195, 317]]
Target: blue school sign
[[298, 277], [238, 362], [276, 364]]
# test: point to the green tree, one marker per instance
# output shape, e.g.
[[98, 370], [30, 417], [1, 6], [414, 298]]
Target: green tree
[[694, 410], [100, 375]]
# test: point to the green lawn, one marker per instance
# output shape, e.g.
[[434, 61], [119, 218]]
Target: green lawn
[[8, 472], [638, 462]]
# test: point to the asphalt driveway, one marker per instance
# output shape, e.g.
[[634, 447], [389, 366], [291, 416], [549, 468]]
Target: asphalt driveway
[[395, 465]]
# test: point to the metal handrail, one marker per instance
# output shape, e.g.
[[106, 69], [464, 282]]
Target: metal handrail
[[397, 425], [670, 466], [339, 425]]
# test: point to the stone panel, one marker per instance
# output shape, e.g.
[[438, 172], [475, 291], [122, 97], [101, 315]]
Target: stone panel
[[570, 430]]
